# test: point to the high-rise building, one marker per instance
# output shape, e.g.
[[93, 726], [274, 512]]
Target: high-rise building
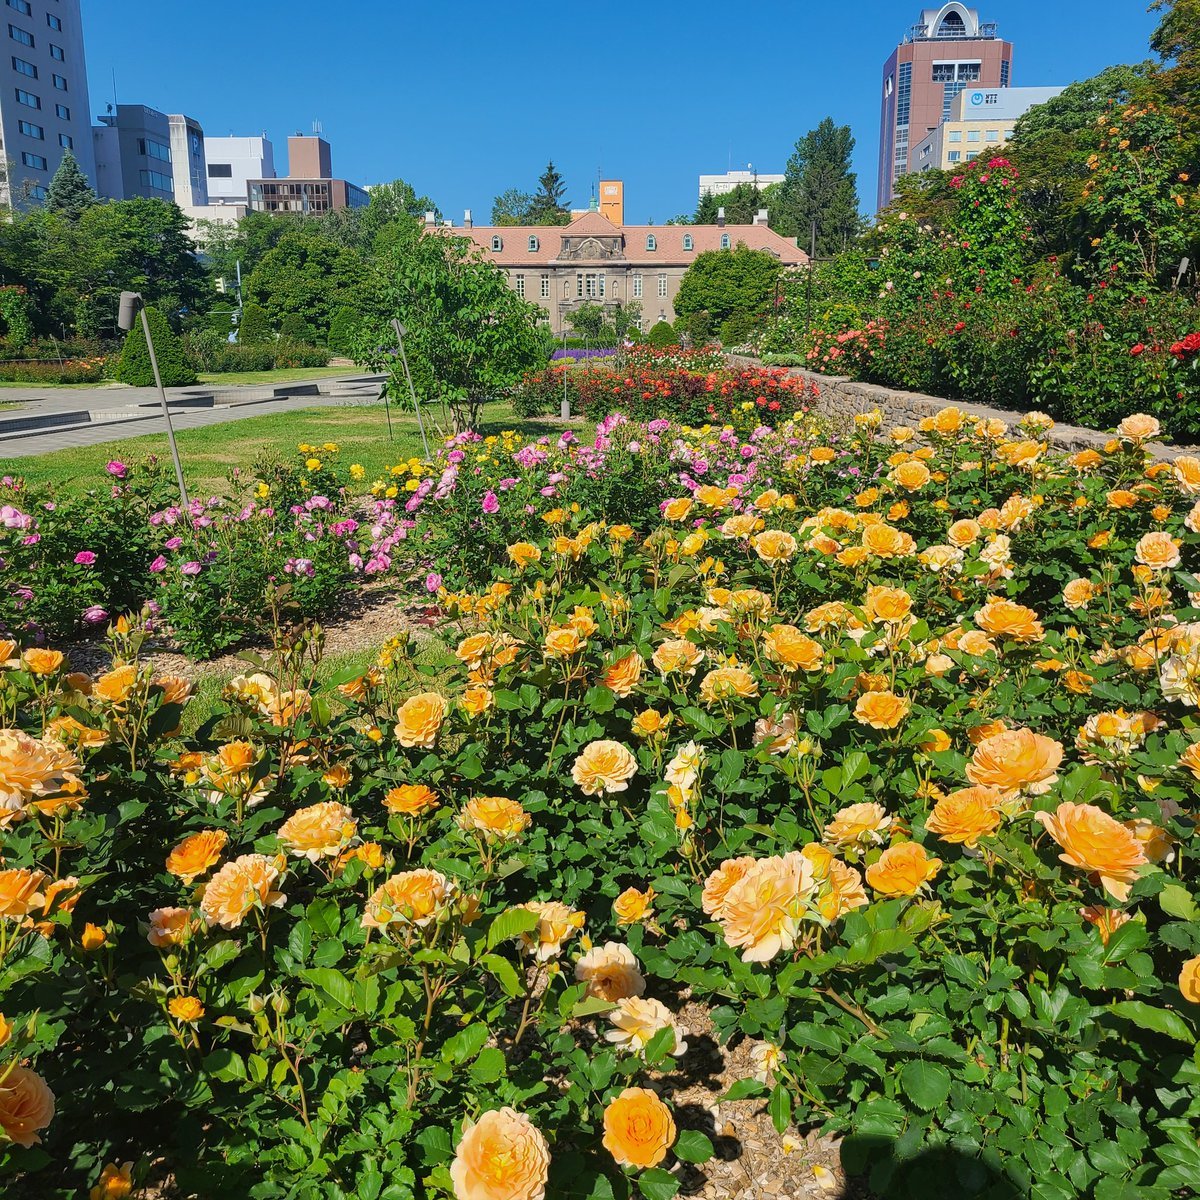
[[233, 162], [947, 51], [43, 97], [719, 185], [187, 161], [309, 186], [133, 154]]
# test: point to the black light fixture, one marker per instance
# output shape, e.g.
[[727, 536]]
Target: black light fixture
[[131, 304]]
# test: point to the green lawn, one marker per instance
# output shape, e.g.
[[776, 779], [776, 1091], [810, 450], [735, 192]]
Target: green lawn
[[210, 454], [283, 375]]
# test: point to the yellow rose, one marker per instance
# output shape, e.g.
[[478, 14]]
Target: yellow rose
[[603, 767], [774, 546], [186, 1009], [419, 720], [902, 870], [633, 907], [881, 710], [502, 1156]]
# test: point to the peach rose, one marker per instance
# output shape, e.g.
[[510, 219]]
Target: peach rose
[[1016, 760], [624, 675], [498, 818], [723, 684], [635, 1021], [1079, 593], [41, 662], [603, 767], [410, 800], [776, 734], [319, 831], [1092, 841], [963, 817], [32, 768], [1190, 760], [677, 655], [409, 898], [911, 476], [502, 1156], [841, 888], [1106, 920], [881, 710], [942, 559], [1186, 470], [902, 870], [611, 972], [677, 509], [169, 926], [556, 923], [774, 546], [1011, 621], [717, 885], [419, 720], [887, 604], [21, 891], [239, 887], [1189, 980], [884, 541], [1158, 551], [963, 533], [762, 911], [638, 1128], [476, 700], [1138, 428], [196, 853], [26, 1105], [857, 825]]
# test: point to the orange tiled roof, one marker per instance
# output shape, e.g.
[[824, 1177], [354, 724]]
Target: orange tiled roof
[[668, 240]]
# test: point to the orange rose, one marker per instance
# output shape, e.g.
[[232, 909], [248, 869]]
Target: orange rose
[[1009, 620], [611, 972], [650, 723], [1138, 428], [881, 710], [41, 662], [1106, 920], [1190, 759], [410, 800], [774, 546], [762, 911], [1157, 550], [240, 886], [717, 885], [884, 541], [603, 767], [496, 817], [195, 854], [911, 476], [1079, 593], [26, 1105], [115, 1183], [186, 1009], [791, 649], [902, 870], [677, 509], [887, 604], [1186, 470], [633, 907], [409, 898], [116, 686], [419, 720], [563, 641], [524, 554], [638, 1128], [1189, 980], [1016, 760], [677, 655], [502, 1156], [963, 533], [21, 891], [727, 683], [32, 769], [556, 924], [475, 701], [624, 675], [963, 817], [1093, 842], [319, 831]]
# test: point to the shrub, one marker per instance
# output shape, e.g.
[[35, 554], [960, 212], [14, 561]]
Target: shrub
[[342, 331], [254, 329], [69, 370], [294, 328], [662, 335], [134, 365]]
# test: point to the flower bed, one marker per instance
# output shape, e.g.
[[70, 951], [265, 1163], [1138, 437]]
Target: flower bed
[[887, 754]]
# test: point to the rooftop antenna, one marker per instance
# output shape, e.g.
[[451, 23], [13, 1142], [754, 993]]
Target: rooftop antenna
[[318, 129], [114, 83]]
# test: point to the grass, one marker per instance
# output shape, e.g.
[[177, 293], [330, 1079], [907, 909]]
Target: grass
[[56, 387], [283, 375], [209, 454]]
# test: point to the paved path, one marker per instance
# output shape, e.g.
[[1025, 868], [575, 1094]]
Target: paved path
[[119, 413]]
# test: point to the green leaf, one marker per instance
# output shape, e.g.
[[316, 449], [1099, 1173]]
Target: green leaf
[[504, 971], [465, 1044], [657, 1184], [926, 1084], [225, 1065], [510, 924], [744, 1089], [489, 1066], [693, 1146], [780, 1107], [333, 983], [1157, 1020], [1176, 901]]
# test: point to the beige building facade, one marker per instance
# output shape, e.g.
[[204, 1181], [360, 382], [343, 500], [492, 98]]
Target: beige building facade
[[594, 261]]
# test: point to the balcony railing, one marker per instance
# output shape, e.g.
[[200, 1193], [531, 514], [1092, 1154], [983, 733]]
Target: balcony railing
[[988, 32]]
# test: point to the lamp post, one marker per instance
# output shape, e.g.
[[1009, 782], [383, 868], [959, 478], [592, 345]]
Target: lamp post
[[400, 332], [131, 304]]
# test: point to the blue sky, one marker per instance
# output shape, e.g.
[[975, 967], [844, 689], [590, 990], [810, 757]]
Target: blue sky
[[466, 99]]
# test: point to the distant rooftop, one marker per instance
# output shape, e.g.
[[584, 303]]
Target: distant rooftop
[[951, 22]]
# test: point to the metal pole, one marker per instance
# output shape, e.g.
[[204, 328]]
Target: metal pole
[[564, 410], [411, 390], [162, 395]]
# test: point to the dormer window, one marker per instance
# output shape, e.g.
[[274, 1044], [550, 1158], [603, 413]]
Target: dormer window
[[724, 241], [497, 243], [533, 244], [688, 244], [651, 242]]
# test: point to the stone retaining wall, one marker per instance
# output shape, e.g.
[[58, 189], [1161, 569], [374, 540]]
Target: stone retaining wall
[[844, 397]]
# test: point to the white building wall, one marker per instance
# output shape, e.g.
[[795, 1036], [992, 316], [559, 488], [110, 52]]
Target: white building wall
[[231, 161]]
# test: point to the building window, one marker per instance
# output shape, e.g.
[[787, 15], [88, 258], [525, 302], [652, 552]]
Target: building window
[[955, 135], [60, 82], [57, 53], [533, 244], [24, 68], [497, 243], [955, 156], [904, 95], [972, 135], [37, 192], [62, 112], [157, 180], [969, 72], [29, 129], [651, 242], [22, 6], [54, 22], [943, 72], [220, 170], [1005, 70], [724, 241], [688, 244], [890, 86], [28, 99], [519, 283], [1008, 134], [545, 287], [149, 148], [662, 287], [33, 160], [993, 135], [637, 287], [20, 35], [972, 155], [66, 141]]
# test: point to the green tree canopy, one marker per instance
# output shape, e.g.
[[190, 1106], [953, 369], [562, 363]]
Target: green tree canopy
[[69, 194], [512, 207], [820, 187], [724, 282], [741, 204], [548, 206]]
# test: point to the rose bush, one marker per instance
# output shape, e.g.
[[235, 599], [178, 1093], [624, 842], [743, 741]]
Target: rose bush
[[886, 754]]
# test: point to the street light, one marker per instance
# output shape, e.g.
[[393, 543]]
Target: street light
[[131, 304], [400, 332]]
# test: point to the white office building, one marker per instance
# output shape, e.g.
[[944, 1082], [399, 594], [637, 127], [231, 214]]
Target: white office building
[[718, 185], [231, 162]]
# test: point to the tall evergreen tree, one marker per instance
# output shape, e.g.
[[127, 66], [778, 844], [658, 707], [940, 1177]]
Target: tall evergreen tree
[[69, 194], [820, 186], [548, 206]]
